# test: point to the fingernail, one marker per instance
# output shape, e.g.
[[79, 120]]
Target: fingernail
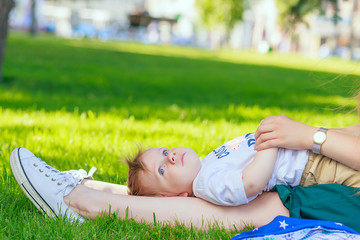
[[256, 148]]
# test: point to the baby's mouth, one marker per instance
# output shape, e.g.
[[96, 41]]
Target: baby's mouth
[[182, 158]]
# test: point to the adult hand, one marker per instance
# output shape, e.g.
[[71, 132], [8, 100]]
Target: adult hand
[[283, 132]]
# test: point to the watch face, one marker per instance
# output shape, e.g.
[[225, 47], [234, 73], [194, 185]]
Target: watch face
[[319, 137]]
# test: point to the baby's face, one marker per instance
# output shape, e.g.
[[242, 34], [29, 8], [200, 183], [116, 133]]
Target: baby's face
[[170, 172]]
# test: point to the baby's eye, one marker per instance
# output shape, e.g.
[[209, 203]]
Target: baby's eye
[[161, 170], [166, 152]]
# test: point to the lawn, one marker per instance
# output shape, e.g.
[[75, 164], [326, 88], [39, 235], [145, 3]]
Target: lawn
[[78, 104]]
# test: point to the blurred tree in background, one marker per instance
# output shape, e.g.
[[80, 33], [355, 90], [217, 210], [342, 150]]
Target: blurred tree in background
[[292, 12], [5, 8], [223, 14], [33, 26], [220, 14]]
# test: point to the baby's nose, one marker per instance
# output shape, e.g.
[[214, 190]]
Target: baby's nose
[[172, 157]]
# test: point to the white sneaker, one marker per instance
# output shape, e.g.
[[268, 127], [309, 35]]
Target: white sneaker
[[45, 186]]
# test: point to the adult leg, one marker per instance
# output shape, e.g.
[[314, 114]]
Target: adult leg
[[90, 202]]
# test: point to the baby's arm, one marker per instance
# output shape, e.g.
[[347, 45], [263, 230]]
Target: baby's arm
[[258, 173]]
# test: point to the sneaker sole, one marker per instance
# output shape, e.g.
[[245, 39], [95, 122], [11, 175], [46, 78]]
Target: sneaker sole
[[25, 184]]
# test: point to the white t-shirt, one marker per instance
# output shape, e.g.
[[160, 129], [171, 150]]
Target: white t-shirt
[[220, 177]]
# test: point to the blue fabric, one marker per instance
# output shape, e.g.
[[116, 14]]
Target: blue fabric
[[293, 228]]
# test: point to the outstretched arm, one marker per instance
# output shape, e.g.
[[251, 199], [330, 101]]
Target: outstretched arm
[[342, 144], [190, 211], [106, 187], [258, 173]]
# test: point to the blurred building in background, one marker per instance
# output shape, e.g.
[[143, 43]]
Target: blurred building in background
[[177, 22], [324, 38]]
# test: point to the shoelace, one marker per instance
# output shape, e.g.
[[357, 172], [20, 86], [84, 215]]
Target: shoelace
[[55, 175], [81, 173]]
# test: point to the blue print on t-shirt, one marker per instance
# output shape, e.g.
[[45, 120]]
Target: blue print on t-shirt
[[250, 139], [251, 142], [221, 152], [248, 135]]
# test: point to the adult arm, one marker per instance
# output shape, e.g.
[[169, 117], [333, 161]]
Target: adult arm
[[258, 173], [342, 144], [188, 210], [351, 130], [106, 187]]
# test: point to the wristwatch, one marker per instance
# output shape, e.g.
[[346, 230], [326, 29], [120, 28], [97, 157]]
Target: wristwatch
[[319, 138]]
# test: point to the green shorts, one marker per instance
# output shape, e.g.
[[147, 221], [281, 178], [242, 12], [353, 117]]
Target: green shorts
[[332, 202]]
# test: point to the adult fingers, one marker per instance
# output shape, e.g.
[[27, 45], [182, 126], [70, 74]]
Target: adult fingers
[[264, 128], [268, 144], [264, 137], [258, 130]]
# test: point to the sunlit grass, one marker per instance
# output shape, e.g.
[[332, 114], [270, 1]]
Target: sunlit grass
[[78, 104]]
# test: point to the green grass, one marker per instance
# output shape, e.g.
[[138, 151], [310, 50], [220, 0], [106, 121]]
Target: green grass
[[78, 104]]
